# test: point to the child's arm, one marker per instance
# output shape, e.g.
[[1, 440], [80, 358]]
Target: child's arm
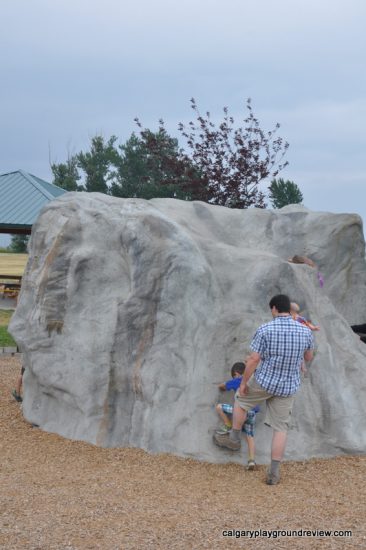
[[311, 326], [232, 384]]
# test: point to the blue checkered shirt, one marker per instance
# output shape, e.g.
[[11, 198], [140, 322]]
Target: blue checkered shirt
[[281, 345]]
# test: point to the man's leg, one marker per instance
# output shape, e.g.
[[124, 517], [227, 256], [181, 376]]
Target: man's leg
[[239, 417], [279, 440], [278, 416], [232, 439], [255, 396]]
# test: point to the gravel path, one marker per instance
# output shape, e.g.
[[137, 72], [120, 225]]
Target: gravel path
[[60, 494]]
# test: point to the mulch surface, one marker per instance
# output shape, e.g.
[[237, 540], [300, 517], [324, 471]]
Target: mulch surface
[[70, 495]]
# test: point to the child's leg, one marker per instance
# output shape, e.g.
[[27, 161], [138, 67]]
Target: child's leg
[[251, 446], [224, 417], [248, 429]]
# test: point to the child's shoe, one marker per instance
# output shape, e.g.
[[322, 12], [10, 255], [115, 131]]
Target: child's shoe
[[251, 464], [224, 429]]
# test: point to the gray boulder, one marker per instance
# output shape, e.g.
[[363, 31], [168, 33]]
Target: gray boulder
[[131, 312]]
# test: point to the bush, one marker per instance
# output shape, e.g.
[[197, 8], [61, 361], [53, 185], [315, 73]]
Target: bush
[[5, 339]]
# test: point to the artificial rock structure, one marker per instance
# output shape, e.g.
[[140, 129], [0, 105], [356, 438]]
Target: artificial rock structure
[[132, 311]]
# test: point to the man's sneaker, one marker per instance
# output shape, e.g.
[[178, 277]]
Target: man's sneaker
[[251, 465], [16, 396], [272, 479], [224, 429], [223, 440]]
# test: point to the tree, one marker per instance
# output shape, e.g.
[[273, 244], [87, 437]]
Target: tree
[[144, 172], [222, 165], [18, 243], [93, 168], [97, 164], [283, 192], [233, 161], [151, 165], [66, 175]]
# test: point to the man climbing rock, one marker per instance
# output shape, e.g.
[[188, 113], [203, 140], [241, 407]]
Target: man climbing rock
[[278, 347]]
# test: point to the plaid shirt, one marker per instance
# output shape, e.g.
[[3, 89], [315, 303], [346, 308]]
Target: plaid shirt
[[281, 345]]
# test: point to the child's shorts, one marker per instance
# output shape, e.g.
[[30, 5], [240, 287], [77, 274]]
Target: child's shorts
[[248, 426]]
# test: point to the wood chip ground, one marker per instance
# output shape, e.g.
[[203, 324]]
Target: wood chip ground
[[69, 495]]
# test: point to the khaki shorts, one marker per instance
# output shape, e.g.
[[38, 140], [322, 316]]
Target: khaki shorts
[[278, 410]]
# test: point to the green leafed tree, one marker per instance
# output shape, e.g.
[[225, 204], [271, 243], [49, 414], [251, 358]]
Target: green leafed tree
[[89, 170], [18, 243], [66, 174], [98, 164], [151, 165], [282, 193]]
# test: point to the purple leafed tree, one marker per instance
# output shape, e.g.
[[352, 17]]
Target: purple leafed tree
[[233, 161]]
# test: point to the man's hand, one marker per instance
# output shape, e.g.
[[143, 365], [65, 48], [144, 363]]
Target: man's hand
[[243, 389], [251, 364], [308, 355]]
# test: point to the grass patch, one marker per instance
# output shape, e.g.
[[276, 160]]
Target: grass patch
[[5, 339], [5, 316], [12, 264]]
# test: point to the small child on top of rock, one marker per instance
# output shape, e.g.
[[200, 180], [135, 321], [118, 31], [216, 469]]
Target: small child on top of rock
[[295, 313], [304, 260]]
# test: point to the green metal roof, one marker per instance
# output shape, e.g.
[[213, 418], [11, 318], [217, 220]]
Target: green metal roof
[[21, 198]]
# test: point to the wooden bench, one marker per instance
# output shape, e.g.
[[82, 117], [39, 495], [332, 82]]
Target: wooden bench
[[8, 287], [11, 290]]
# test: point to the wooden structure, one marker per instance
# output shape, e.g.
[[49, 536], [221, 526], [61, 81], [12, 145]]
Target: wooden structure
[[22, 198]]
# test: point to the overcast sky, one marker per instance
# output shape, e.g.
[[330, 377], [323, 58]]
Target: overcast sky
[[74, 68]]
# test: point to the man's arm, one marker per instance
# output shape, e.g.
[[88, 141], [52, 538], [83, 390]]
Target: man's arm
[[308, 355], [251, 364], [309, 352]]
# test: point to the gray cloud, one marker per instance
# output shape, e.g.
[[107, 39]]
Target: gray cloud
[[72, 69]]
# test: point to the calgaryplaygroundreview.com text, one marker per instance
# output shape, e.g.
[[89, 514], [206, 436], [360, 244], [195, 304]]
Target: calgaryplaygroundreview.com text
[[285, 533]]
